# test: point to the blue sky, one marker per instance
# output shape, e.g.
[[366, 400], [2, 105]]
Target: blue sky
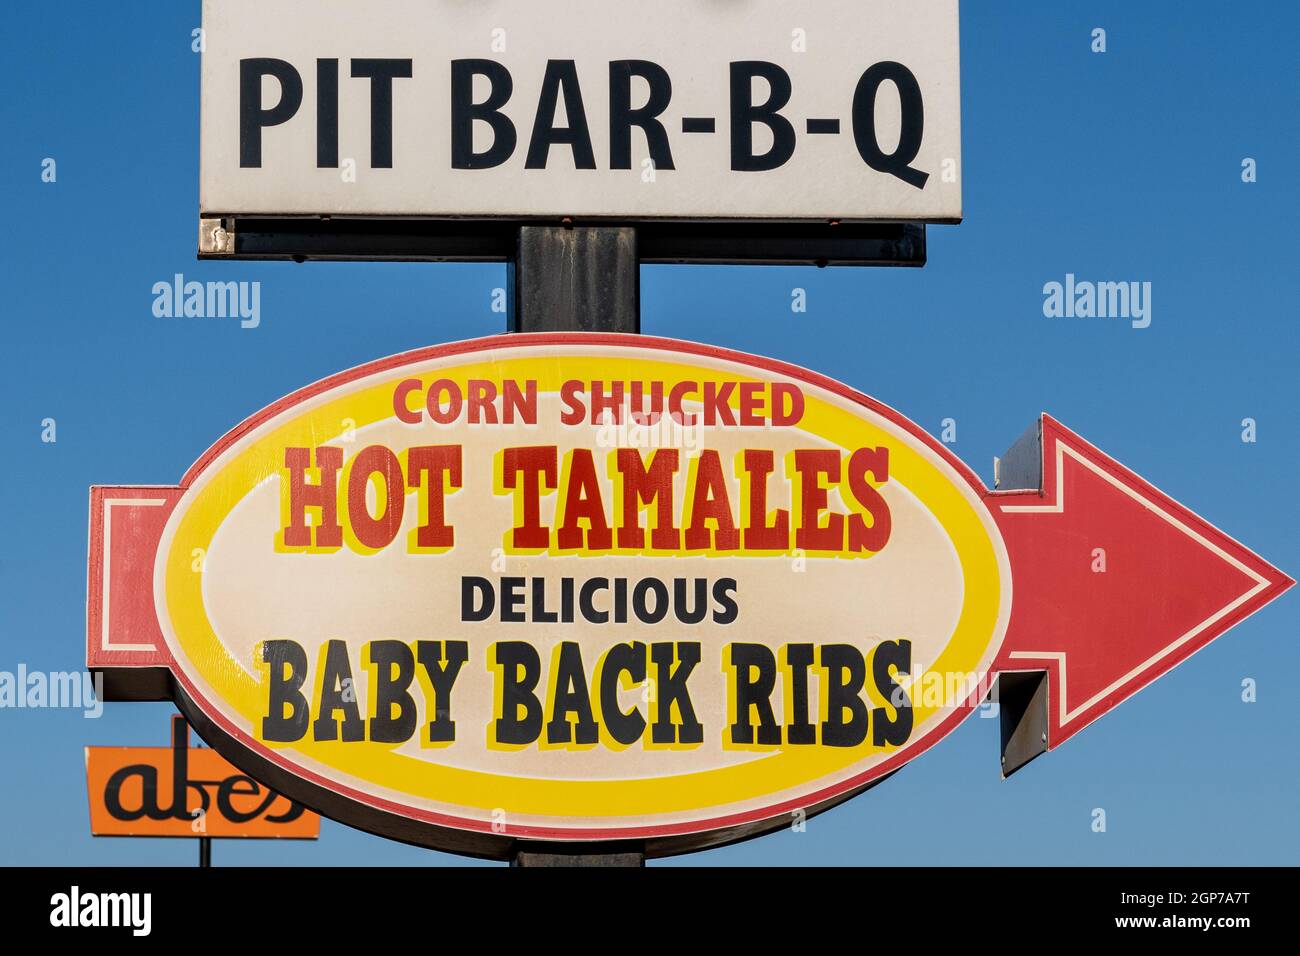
[[1119, 166]]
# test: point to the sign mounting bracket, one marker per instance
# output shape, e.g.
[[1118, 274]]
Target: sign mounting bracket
[[659, 242]]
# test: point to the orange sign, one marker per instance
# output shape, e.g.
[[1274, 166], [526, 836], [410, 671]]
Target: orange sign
[[183, 791]]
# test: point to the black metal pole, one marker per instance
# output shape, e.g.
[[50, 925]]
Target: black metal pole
[[205, 851], [598, 854], [576, 279]]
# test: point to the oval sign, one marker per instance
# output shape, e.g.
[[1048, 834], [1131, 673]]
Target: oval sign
[[578, 588]]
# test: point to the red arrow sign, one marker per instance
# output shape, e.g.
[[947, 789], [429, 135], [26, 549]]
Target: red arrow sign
[[1115, 582], [1079, 587]]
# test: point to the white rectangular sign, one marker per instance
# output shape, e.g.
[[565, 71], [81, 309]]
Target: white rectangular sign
[[625, 109]]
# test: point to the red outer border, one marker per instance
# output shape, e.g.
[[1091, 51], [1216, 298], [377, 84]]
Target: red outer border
[[826, 796]]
